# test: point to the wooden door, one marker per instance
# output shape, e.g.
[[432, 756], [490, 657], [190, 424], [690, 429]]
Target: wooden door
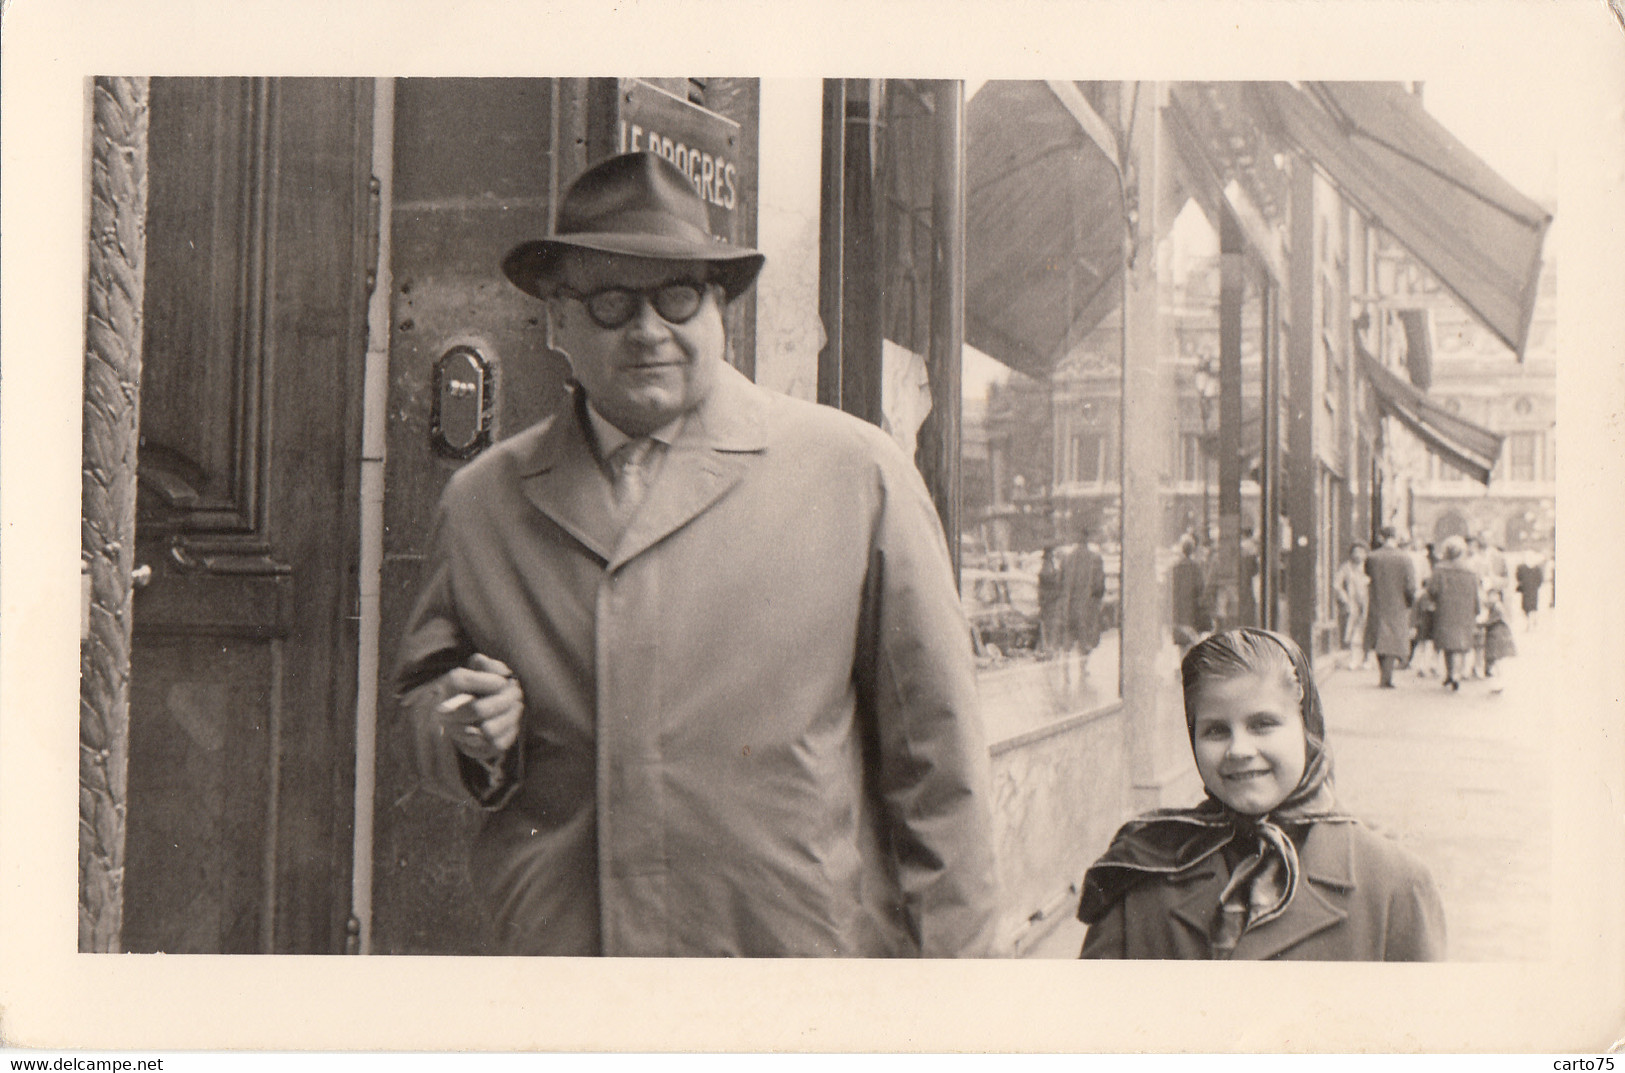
[[243, 658]]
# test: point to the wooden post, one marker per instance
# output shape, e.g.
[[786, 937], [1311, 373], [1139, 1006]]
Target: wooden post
[[112, 410], [1303, 480], [1146, 347], [849, 280], [831, 229], [862, 286], [939, 437], [1269, 465], [1232, 296]]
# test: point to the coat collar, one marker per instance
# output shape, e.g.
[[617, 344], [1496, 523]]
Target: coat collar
[[1326, 860], [561, 477]]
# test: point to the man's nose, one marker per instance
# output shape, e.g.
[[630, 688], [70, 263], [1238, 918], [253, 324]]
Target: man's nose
[[647, 325]]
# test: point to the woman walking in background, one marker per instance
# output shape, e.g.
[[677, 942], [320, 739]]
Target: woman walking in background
[[1352, 586], [1455, 609], [1531, 575]]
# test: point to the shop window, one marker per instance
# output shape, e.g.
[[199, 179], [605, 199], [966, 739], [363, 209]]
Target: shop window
[[1043, 529]]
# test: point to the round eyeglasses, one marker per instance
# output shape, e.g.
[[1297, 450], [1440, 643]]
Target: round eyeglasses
[[613, 307]]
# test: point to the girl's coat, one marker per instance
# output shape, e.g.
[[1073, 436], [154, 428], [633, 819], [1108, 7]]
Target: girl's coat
[[1366, 899]]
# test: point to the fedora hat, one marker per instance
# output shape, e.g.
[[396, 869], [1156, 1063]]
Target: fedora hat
[[637, 205]]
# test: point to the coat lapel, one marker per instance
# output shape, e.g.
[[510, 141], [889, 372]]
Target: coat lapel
[[562, 479], [716, 447], [1196, 906], [1326, 860]]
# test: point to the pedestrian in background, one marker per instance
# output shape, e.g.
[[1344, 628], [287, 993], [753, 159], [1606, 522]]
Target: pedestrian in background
[[1267, 866], [1393, 591], [1051, 607], [1477, 560], [1352, 587], [1249, 578], [1530, 578], [1083, 587], [1185, 586], [1455, 609], [1424, 656], [1493, 565], [1498, 644]]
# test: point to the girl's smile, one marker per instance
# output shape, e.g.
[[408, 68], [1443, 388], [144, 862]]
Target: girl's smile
[[1249, 741]]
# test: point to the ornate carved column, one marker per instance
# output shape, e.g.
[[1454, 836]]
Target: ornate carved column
[[118, 208]]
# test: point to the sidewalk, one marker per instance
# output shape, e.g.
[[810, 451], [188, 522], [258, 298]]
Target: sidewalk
[[1462, 779]]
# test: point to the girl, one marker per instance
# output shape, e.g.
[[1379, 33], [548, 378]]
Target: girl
[[1266, 866]]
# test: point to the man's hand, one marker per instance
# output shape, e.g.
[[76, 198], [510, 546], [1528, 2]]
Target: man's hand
[[483, 714]]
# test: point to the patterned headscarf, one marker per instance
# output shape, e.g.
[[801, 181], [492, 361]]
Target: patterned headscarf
[[1169, 842]]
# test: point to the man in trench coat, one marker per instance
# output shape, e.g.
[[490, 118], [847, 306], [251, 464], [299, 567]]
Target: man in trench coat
[[1083, 586], [1393, 590], [717, 698]]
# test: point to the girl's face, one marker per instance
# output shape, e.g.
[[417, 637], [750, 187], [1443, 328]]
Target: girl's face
[[1249, 741]]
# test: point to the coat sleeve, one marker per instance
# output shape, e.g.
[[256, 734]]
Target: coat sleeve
[[435, 643], [916, 682], [1416, 929], [1107, 937]]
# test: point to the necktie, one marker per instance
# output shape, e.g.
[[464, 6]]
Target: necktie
[[628, 467]]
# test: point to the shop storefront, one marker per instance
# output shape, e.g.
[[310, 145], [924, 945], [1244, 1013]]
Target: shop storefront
[[1072, 302]]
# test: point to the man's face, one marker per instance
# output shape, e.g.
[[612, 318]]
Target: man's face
[[649, 370]]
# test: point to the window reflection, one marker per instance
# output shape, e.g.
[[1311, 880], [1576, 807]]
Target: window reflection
[[1040, 555]]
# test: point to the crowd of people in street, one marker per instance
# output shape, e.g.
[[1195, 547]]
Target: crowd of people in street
[[1439, 609]]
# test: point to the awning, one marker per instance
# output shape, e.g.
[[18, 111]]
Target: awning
[[1043, 223], [1418, 325], [1468, 447], [1478, 235]]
